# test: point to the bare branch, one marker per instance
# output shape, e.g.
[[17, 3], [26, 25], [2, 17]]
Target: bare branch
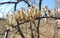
[[27, 3], [8, 3], [37, 19]]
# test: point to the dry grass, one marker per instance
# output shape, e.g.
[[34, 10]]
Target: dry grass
[[46, 29]]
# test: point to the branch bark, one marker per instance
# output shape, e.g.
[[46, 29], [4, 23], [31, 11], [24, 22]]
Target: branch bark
[[8, 3], [40, 1], [32, 36], [19, 30]]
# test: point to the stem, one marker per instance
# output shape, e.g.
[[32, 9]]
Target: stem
[[32, 36], [38, 28], [19, 30]]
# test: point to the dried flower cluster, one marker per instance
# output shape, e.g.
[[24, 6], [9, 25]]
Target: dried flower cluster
[[22, 15], [31, 14]]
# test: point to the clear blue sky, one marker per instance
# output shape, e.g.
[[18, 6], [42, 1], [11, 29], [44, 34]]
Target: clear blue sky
[[49, 3], [9, 7]]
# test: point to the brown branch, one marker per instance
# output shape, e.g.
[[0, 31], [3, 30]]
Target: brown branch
[[8, 3], [19, 30], [40, 2], [37, 19], [27, 3], [15, 2], [32, 36], [34, 19]]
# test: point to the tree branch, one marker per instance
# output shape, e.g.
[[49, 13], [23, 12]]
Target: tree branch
[[27, 3], [8, 3], [36, 19]]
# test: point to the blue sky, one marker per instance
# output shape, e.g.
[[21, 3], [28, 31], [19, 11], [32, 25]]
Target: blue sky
[[10, 7], [49, 3]]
